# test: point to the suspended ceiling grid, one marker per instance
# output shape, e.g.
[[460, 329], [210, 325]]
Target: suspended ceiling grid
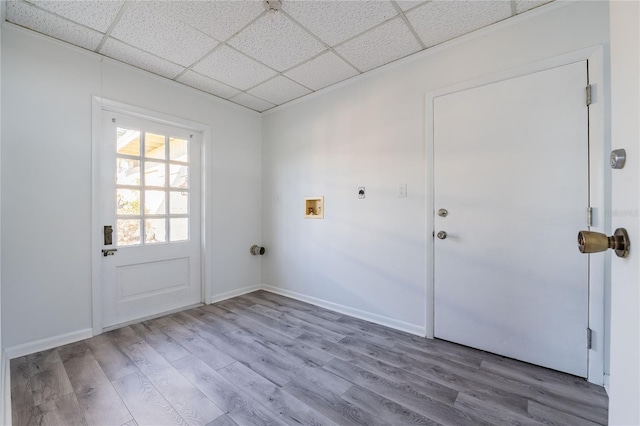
[[236, 50]]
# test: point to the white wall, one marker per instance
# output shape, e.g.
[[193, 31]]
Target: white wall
[[46, 179], [370, 254], [624, 401]]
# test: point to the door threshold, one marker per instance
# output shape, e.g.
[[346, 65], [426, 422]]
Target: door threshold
[[150, 317]]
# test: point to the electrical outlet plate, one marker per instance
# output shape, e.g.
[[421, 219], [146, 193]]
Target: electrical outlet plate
[[361, 192]]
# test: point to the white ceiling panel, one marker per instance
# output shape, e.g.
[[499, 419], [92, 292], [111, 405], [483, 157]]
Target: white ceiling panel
[[252, 102], [150, 28], [31, 17], [323, 71], [336, 21], [379, 46], [281, 44], [233, 68], [279, 90], [130, 55], [409, 4], [93, 14], [220, 19], [235, 50], [438, 21], [524, 5], [199, 81]]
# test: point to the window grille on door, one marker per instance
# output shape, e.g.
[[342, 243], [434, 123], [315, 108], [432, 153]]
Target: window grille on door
[[152, 188]]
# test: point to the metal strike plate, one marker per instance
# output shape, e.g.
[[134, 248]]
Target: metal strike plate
[[595, 242], [618, 158], [443, 212]]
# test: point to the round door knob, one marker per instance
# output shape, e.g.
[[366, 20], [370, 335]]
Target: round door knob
[[442, 235]]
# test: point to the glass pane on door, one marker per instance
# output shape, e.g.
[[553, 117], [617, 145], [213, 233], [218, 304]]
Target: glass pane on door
[[152, 207]]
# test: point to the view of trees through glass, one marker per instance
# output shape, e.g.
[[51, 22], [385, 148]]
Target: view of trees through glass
[[152, 188]]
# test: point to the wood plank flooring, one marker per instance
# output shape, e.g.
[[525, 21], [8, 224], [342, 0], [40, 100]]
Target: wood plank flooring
[[264, 359]]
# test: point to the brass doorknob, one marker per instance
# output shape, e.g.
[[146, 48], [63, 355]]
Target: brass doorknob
[[595, 242]]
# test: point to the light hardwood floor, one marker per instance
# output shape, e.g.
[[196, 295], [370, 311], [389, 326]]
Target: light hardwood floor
[[264, 359]]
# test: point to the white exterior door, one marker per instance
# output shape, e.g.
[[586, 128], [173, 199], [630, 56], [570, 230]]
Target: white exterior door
[[150, 186], [511, 169]]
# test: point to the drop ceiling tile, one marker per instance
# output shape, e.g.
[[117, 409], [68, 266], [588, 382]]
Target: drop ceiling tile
[[524, 5], [199, 81], [252, 102], [279, 90], [409, 4], [26, 15], [94, 14], [130, 55], [280, 44], [233, 68], [151, 28], [439, 21], [323, 71], [379, 46], [336, 21], [220, 19]]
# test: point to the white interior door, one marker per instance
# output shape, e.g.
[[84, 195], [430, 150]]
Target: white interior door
[[511, 169], [150, 185]]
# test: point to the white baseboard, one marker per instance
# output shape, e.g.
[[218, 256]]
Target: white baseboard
[[234, 293], [607, 379], [347, 310], [5, 404], [48, 343]]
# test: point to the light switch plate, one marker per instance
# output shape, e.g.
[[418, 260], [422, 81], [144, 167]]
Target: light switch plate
[[402, 190]]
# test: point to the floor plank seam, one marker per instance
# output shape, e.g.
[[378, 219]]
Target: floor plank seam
[[261, 358]]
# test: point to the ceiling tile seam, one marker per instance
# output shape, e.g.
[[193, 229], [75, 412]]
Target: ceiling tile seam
[[252, 58], [268, 80], [244, 106], [115, 22], [274, 103], [327, 45], [408, 24], [196, 29], [141, 50], [57, 16], [364, 32], [212, 79], [419, 5], [206, 91], [235, 96], [144, 51], [315, 57], [224, 43]]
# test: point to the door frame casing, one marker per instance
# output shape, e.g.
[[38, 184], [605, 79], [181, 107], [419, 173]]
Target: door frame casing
[[98, 106], [599, 181]]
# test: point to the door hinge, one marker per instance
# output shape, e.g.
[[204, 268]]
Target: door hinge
[[588, 92], [589, 334], [589, 216]]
